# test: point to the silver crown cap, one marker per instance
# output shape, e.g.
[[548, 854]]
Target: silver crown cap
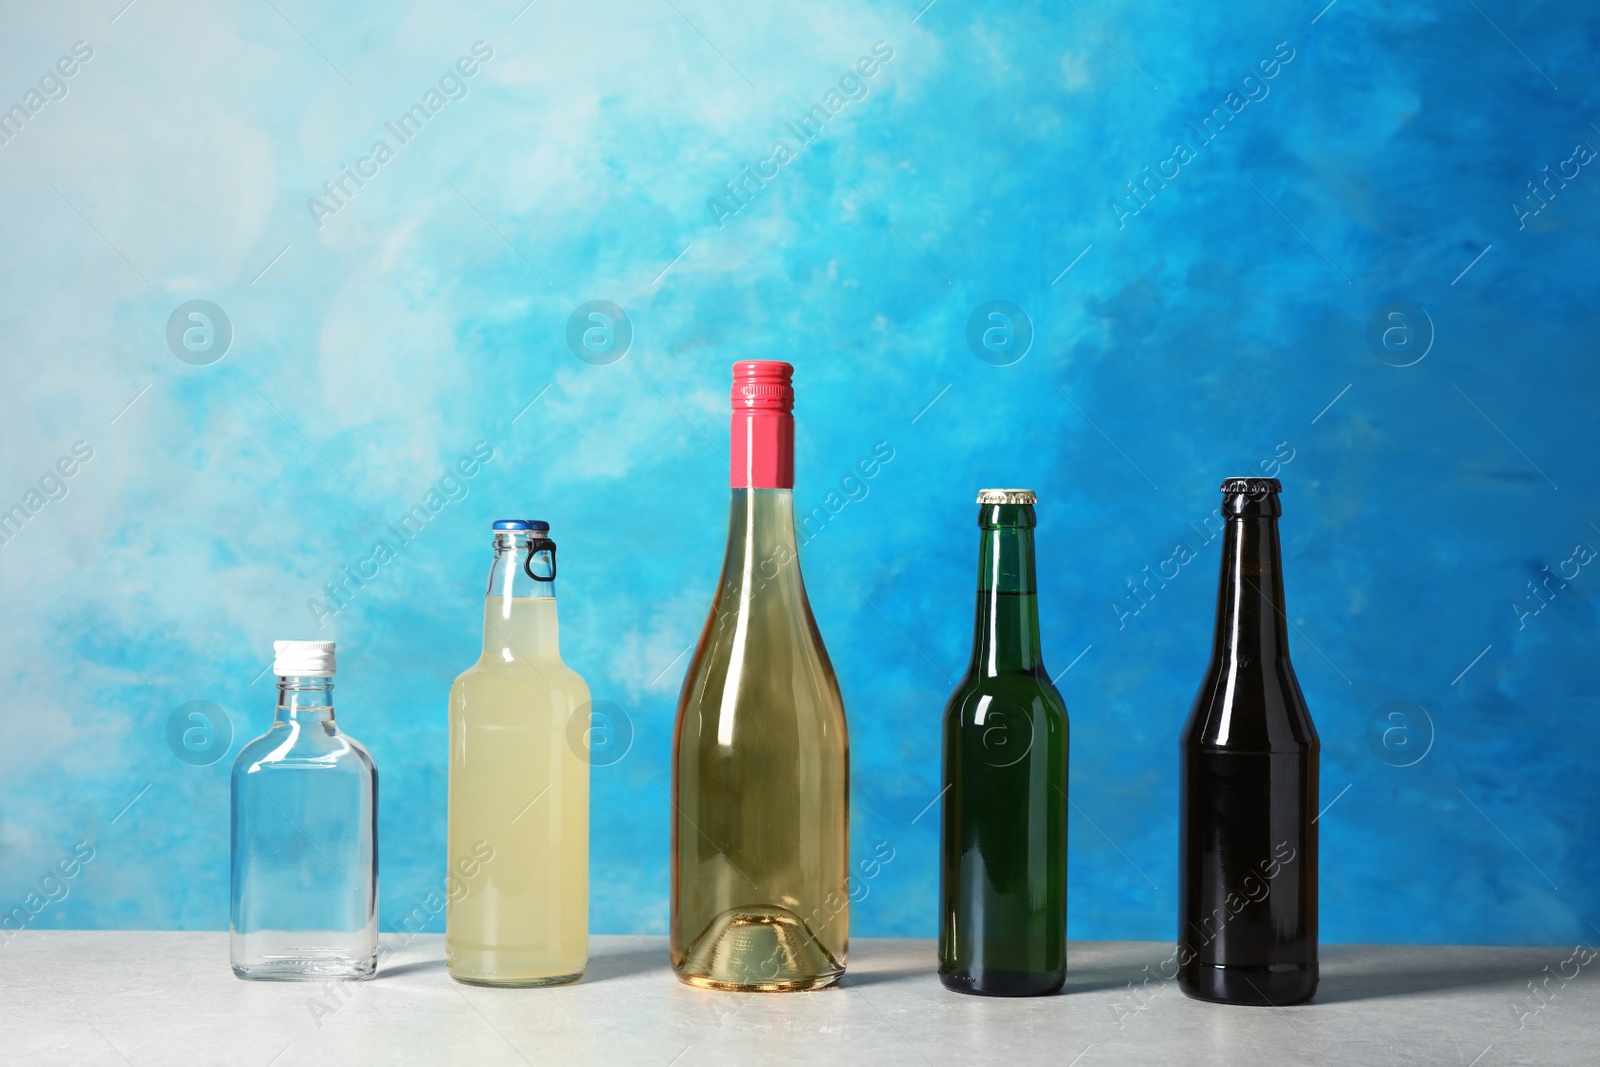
[[1007, 496]]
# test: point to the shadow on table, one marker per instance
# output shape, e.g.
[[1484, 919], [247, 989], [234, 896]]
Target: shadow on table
[[1094, 979], [1351, 973], [622, 964], [410, 968], [1086, 981], [1358, 972], [899, 973], [600, 969]]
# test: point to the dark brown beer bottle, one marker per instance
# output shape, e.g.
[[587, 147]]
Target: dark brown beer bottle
[[1247, 849]]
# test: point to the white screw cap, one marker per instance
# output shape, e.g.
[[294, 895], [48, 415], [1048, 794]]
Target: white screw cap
[[303, 659]]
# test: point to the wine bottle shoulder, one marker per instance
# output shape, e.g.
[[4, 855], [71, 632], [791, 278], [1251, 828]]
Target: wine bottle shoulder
[[771, 656], [775, 675]]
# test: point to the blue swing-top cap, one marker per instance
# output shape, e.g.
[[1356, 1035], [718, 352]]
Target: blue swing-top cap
[[535, 525]]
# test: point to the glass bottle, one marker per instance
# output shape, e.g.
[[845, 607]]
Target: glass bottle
[[517, 891], [1247, 851], [1003, 875], [305, 836], [760, 759]]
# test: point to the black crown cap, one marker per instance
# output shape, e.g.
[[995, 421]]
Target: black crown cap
[[1252, 486], [1252, 496]]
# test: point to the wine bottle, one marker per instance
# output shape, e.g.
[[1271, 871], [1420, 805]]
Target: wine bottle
[[1247, 852], [518, 886], [1003, 876], [760, 759], [305, 836]]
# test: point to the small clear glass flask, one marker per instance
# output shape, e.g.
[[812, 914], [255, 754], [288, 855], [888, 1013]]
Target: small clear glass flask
[[305, 836]]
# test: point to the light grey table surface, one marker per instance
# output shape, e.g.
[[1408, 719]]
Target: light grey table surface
[[80, 997]]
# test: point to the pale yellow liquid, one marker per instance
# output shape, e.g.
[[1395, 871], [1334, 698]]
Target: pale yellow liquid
[[518, 895], [761, 809]]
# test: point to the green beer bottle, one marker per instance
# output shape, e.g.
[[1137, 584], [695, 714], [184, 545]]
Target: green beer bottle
[[1003, 870]]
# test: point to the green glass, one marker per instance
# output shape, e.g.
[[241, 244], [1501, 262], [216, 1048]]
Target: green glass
[[1003, 870]]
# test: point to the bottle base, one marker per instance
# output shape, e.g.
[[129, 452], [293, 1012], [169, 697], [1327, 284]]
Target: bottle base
[[513, 982], [1273, 987], [791, 985], [759, 950], [307, 969], [305, 955], [993, 982], [515, 965]]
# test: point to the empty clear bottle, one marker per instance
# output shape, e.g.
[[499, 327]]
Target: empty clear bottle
[[305, 836]]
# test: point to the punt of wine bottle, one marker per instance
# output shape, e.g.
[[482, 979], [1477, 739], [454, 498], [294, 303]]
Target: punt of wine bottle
[[1247, 852], [760, 760], [1003, 871]]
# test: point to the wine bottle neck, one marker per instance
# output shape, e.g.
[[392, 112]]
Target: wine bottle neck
[[762, 456], [1251, 620], [761, 540], [1006, 633]]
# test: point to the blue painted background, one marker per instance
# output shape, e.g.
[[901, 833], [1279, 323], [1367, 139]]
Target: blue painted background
[[1214, 321]]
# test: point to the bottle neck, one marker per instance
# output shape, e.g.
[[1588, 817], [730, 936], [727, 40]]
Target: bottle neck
[[1006, 634], [762, 456], [1251, 620], [761, 540], [304, 699], [508, 576], [519, 610]]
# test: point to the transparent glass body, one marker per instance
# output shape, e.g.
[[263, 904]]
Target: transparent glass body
[[518, 851], [1003, 827], [305, 846], [760, 777]]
